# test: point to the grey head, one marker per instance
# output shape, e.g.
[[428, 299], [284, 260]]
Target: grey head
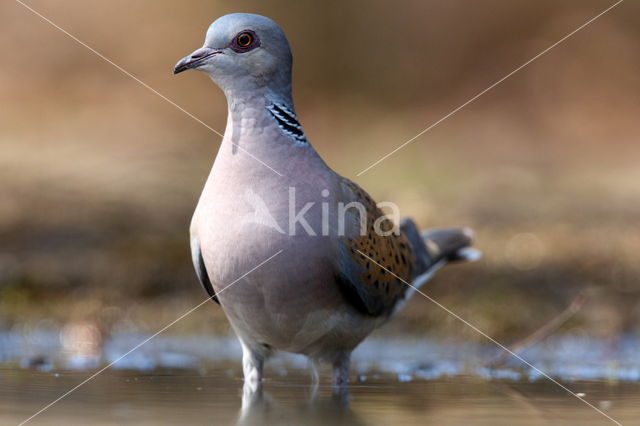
[[245, 55]]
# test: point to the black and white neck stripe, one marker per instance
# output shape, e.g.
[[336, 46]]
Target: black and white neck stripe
[[287, 121]]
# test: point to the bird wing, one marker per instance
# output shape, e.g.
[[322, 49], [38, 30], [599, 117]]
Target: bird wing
[[376, 270], [372, 266], [201, 270]]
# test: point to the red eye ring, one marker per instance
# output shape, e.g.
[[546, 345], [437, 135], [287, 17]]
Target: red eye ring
[[244, 39]]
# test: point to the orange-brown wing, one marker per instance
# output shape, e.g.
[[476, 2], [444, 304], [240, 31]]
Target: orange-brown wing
[[372, 289]]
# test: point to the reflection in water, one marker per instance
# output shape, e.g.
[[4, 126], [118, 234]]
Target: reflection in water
[[259, 408], [215, 397], [197, 380]]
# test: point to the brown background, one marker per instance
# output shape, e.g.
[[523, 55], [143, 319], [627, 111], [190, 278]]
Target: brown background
[[100, 176]]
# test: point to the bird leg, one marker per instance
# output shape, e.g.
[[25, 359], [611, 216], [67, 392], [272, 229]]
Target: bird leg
[[314, 365], [252, 366], [252, 399], [341, 365]]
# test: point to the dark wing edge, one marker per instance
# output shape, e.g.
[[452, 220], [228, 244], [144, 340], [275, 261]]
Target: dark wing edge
[[201, 270], [358, 297]]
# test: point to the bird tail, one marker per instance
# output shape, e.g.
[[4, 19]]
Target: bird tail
[[453, 244], [434, 248]]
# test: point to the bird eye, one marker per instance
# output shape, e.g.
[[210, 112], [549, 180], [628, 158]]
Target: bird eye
[[244, 39]]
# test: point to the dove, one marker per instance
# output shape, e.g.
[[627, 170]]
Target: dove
[[300, 259]]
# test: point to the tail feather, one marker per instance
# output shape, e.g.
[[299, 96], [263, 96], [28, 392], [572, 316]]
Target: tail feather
[[468, 254], [433, 249], [439, 246], [422, 261], [452, 244]]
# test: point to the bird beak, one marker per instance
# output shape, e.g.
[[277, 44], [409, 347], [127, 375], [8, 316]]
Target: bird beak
[[195, 59]]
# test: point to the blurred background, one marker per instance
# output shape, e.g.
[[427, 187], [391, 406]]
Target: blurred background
[[100, 176]]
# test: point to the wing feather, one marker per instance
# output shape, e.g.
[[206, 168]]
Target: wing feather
[[201, 270], [370, 288]]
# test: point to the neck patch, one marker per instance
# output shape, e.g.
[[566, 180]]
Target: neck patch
[[287, 121]]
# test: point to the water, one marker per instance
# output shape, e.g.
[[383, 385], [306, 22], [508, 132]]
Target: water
[[198, 380], [183, 397]]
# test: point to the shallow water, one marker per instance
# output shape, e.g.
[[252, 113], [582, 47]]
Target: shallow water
[[568, 358], [198, 380], [183, 397]]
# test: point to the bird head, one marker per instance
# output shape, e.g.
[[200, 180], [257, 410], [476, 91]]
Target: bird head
[[243, 52]]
